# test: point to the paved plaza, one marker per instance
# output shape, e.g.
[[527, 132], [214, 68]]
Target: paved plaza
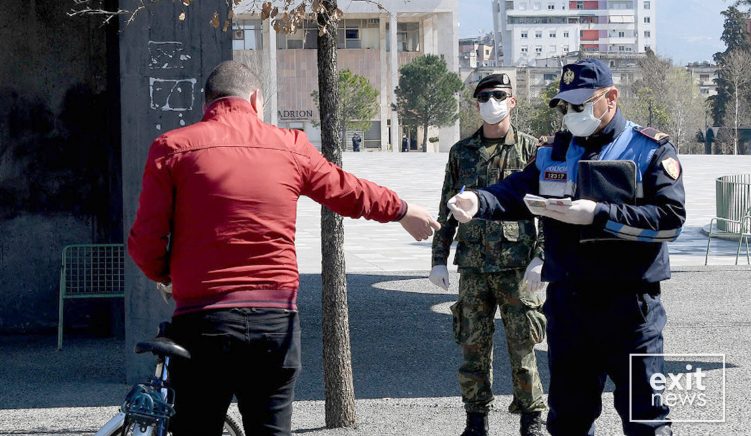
[[404, 357]]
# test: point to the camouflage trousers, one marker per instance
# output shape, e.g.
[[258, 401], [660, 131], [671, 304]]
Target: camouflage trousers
[[473, 314]]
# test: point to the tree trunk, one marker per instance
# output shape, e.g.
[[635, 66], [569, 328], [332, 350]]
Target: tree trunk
[[735, 139], [425, 137], [337, 359]]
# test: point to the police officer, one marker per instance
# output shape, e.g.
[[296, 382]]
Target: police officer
[[356, 141], [492, 257], [603, 299]]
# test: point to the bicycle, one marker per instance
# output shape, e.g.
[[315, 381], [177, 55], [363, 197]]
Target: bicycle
[[149, 406]]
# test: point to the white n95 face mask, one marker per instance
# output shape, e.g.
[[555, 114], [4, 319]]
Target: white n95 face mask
[[584, 123], [493, 111]]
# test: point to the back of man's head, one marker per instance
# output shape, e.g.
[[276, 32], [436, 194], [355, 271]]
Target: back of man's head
[[229, 79]]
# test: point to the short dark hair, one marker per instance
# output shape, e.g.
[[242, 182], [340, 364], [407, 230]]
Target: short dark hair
[[230, 78]]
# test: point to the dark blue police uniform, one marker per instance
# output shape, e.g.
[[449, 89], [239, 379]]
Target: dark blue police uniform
[[603, 299]]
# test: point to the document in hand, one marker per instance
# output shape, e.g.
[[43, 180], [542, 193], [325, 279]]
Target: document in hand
[[536, 204]]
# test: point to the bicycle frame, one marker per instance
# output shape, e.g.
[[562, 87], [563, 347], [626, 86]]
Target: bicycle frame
[[151, 415]]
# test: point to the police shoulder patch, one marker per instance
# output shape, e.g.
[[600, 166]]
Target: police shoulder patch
[[672, 168], [655, 135]]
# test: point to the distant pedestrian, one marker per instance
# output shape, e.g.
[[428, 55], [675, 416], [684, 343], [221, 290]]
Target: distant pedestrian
[[356, 140], [405, 143]]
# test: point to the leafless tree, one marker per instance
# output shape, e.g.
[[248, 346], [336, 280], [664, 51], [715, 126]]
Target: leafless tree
[[736, 70]]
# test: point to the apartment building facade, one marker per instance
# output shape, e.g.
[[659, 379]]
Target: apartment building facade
[[476, 52], [286, 64], [533, 30]]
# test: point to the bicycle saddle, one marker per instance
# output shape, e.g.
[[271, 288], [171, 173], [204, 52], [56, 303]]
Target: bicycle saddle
[[162, 347]]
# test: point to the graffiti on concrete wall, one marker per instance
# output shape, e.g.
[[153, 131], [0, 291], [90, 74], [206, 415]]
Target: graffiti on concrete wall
[[167, 55], [168, 92], [172, 94]]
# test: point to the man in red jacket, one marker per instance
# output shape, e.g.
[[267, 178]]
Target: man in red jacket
[[216, 219]]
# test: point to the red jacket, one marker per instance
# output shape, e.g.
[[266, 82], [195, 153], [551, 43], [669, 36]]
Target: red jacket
[[225, 191]]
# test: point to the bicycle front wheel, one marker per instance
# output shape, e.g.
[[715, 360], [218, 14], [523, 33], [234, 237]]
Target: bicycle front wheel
[[231, 428]]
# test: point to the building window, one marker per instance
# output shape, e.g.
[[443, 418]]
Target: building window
[[525, 49], [647, 34], [704, 77], [580, 5], [565, 48], [524, 34], [247, 35], [647, 5], [620, 5], [291, 41], [538, 34], [646, 47], [565, 34], [353, 33], [551, 6], [538, 50], [647, 20], [552, 34], [408, 36], [621, 48]]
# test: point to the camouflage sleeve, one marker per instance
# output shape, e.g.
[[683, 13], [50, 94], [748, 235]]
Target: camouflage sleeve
[[530, 152], [539, 250], [445, 236]]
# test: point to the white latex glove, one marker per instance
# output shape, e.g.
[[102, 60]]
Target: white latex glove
[[165, 290], [418, 222], [533, 276], [439, 276], [581, 212], [464, 206]]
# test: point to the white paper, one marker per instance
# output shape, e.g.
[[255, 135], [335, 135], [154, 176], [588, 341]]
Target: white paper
[[537, 204]]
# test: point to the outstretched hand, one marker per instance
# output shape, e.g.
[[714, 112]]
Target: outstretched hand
[[418, 222], [464, 206]]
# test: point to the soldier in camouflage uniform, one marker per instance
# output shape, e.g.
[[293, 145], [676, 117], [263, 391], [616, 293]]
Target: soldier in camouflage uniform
[[492, 257]]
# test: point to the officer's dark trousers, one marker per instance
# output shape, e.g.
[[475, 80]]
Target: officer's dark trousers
[[251, 353], [590, 336]]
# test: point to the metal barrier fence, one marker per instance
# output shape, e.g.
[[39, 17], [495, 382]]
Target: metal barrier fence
[[90, 271], [733, 196]]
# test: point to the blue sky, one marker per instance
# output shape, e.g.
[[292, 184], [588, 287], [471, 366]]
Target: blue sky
[[687, 30]]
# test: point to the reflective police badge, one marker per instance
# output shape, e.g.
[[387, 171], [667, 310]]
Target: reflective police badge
[[672, 168]]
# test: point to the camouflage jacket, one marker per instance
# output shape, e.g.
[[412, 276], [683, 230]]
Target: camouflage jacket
[[485, 246]]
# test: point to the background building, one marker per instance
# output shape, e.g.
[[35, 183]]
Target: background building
[[704, 75], [287, 65], [531, 30], [476, 52]]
